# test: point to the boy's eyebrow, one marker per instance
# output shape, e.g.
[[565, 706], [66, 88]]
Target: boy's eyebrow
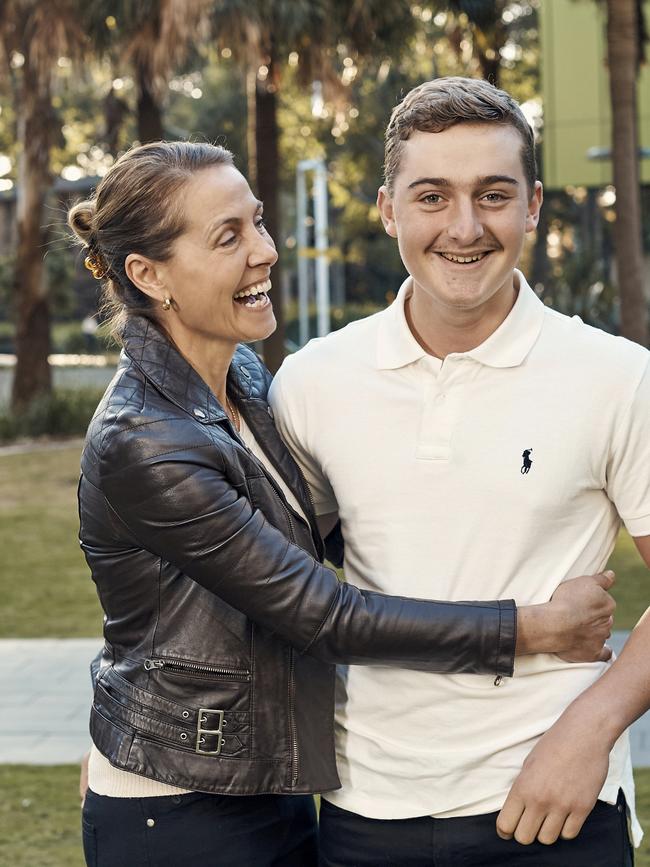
[[434, 182], [486, 181]]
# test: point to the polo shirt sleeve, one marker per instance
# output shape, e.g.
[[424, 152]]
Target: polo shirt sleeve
[[287, 397], [628, 466]]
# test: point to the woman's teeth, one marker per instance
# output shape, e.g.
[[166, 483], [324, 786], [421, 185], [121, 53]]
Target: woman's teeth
[[254, 296]]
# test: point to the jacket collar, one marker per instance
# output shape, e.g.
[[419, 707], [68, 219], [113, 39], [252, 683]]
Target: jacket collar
[[508, 346], [163, 365]]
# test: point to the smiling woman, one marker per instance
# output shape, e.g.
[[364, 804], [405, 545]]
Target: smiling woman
[[222, 625]]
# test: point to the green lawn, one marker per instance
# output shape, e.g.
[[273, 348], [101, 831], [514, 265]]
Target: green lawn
[[632, 588], [39, 816], [44, 581]]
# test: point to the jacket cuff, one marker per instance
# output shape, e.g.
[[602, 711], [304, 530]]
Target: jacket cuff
[[504, 665]]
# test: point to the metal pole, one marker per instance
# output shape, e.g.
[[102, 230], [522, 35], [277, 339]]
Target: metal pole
[[303, 263], [322, 264]]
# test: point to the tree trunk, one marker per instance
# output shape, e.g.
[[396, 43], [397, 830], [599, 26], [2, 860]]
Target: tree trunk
[[115, 109], [622, 50], [268, 187], [490, 63], [150, 127], [251, 127], [34, 126]]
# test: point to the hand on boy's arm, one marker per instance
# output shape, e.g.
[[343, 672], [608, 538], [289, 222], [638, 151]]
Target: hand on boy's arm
[[575, 624]]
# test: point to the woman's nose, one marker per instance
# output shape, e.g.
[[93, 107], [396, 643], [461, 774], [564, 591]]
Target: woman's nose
[[263, 251]]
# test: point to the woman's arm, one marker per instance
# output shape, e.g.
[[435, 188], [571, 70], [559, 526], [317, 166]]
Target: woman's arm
[[178, 502]]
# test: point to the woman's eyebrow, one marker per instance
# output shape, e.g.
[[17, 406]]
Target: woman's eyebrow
[[231, 221]]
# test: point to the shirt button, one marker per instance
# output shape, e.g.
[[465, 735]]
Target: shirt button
[[199, 413], [150, 823]]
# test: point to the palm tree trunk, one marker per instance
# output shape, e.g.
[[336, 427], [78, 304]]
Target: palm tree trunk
[[268, 186], [622, 49], [32, 373], [150, 126]]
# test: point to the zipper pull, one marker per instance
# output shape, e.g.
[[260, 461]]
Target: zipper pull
[[153, 663], [498, 680]]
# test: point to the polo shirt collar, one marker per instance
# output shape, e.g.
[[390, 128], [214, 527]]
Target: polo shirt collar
[[508, 346], [396, 345]]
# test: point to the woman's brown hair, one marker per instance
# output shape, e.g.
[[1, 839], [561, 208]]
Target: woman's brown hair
[[135, 209]]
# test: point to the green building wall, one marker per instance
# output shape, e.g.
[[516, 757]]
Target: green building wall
[[575, 91]]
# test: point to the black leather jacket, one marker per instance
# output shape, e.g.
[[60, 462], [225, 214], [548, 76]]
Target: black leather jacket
[[222, 625]]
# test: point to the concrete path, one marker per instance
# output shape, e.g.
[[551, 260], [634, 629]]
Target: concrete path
[[45, 698]]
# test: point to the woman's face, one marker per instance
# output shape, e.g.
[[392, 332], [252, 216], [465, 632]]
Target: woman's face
[[219, 270]]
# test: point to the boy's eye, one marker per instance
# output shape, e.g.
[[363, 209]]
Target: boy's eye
[[494, 197], [432, 199]]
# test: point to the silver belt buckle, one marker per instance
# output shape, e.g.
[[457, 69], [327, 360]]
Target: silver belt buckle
[[200, 731]]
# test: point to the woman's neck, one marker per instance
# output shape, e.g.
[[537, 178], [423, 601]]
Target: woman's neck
[[209, 356]]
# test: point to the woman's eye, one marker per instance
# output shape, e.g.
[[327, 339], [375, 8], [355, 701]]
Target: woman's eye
[[260, 224], [228, 241]]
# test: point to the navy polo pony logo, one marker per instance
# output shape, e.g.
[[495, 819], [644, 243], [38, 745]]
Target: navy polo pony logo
[[528, 462]]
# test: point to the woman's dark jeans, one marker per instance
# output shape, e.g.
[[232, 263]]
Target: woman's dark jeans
[[200, 830]]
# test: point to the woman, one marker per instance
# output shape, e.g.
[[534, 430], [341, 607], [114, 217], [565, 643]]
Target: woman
[[222, 625]]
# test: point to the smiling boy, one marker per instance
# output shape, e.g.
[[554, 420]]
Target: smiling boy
[[411, 426]]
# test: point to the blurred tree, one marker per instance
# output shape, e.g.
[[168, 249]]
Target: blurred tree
[[624, 52], [154, 37], [480, 22], [269, 35], [34, 35]]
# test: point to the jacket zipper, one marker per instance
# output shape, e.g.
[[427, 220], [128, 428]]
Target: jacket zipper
[[292, 724], [305, 484], [193, 668], [279, 491], [276, 488]]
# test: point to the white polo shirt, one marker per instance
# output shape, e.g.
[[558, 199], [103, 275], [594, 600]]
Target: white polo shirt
[[424, 461]]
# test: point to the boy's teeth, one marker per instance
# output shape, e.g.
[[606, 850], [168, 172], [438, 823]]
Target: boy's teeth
[[463, 260]]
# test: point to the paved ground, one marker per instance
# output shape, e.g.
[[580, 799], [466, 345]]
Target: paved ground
[[45, 698]]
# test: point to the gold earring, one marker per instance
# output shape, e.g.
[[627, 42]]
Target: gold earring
[[167, 304]]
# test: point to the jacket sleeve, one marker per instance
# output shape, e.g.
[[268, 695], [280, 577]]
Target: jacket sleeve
[[184, 505]]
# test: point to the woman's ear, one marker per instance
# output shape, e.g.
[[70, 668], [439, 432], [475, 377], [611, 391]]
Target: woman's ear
[[145, 274]]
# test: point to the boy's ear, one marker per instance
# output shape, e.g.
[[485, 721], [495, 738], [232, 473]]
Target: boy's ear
[[534, 207], [386, 211]]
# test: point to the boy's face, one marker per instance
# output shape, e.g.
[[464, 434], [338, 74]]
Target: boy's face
[[460, 209]]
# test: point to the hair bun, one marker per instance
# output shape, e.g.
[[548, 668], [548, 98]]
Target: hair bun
[[81, 219]]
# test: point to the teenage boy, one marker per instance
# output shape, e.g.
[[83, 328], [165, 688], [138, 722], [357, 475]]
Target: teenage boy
[[470, 426]]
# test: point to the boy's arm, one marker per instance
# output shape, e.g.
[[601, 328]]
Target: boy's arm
[[563, 775]]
